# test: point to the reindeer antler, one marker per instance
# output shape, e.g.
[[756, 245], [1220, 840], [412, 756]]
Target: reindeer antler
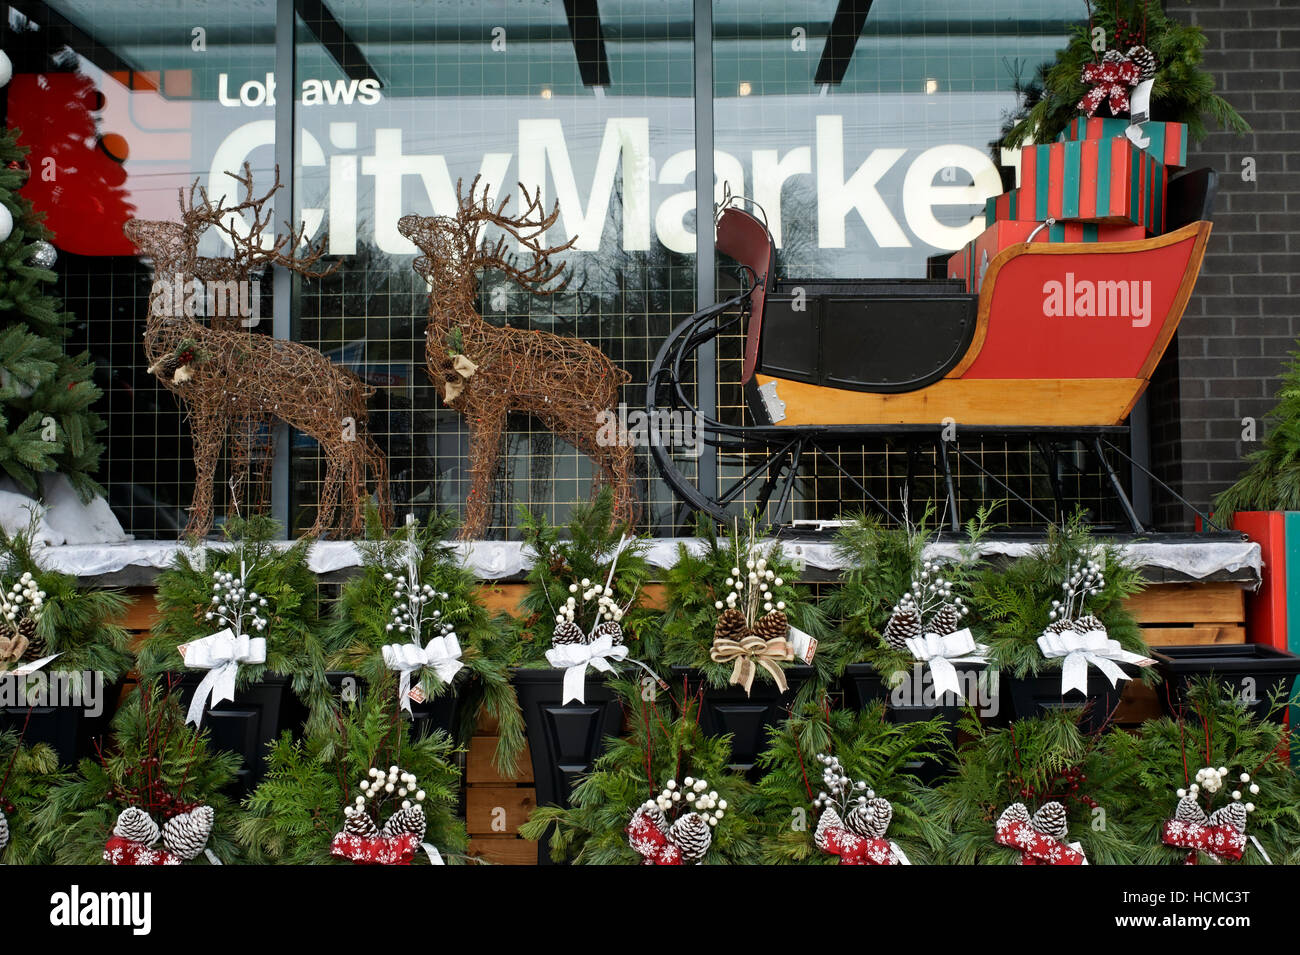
[[528, 227], [252, 251]]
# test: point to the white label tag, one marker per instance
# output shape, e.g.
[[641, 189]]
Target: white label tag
[[805, 647]]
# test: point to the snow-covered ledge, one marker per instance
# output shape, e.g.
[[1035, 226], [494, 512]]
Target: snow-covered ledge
[[136, 562]]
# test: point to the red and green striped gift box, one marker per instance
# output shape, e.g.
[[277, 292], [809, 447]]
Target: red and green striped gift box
[[1168, 140], [1107, 181], [970, 262]]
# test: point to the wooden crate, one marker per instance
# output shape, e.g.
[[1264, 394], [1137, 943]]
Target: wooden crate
[[1179, 615], [496, 805]]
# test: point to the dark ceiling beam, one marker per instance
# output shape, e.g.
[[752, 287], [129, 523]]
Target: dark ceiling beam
[[588, 41], [846, 26], [335, 40], [76, 39]]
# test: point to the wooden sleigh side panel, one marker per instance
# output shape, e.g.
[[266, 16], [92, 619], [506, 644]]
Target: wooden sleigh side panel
[[1063, 339]]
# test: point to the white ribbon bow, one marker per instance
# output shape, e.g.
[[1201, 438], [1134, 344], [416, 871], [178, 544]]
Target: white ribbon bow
[[941, 651], [1080, 649], [441, 654], [220, 654], [574, 658]]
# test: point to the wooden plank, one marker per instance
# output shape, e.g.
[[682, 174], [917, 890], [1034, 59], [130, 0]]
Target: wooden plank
[[503, 850], [503, 597], [1190, 603], [486, 725], [1197, 635], [1138, 703], [498, 810], [143, 610], [479, 767]]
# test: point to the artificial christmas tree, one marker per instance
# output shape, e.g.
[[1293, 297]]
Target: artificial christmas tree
[[45, 394]]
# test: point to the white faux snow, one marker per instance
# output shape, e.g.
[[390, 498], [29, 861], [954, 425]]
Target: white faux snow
[[63, 518]]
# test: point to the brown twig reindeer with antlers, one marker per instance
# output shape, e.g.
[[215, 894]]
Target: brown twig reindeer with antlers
[[234, 382], [486, 371]]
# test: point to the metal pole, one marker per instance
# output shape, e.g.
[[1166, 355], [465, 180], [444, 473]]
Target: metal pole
[[281, 314], [705, 290]]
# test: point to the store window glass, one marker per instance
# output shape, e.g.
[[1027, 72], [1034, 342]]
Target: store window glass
[[122, 104], [397, 104]]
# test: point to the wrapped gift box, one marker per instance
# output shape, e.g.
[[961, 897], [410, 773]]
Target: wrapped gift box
[[1168, 140], [970, 262], [1107, 181]]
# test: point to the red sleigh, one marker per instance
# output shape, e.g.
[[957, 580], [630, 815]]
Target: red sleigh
[[1042, 337]]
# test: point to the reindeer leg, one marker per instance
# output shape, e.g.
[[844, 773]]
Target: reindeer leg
[[486, 433], [378, 467], [613, 466], [207, 430], [329, 494]]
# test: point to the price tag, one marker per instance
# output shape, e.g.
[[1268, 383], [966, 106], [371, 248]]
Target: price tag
[[805, 647]]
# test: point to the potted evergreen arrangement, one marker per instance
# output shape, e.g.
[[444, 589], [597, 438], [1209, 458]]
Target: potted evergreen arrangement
[[27, 775], [1030, 793], [1057, 628], [413, 619], [362, 791], [157, 794], [742, 634], [62, 655], [1212, 785], [582, 621], [663, 795], [906, 634], [237, 633], [1159, 47], [839, 788]]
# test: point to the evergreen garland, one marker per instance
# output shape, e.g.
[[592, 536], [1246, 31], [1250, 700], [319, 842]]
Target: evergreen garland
[[1271, 482], [279, 574], [1032, 761], [583, 549], [634, 769], [1183, 91], [27, 775], [1013, 603], [697, 581], [870, 749], [38, 378], [1215, 729], [152, 757], [293, 815], [75, 622], [363, 616]]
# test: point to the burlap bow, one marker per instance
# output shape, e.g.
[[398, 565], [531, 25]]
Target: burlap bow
[[749, 650]]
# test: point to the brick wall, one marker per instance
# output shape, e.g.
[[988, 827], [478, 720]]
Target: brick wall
[[1244, 317]]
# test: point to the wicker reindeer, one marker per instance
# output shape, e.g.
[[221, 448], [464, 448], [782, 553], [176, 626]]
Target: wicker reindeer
[[485, 371], [234, 383]]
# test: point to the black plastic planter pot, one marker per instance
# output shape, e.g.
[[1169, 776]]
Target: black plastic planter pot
[[436, 714], [745, 717], [564, 739], [1255, 671], [248, 724], [914, 701], [70, 730], [1035, 695]]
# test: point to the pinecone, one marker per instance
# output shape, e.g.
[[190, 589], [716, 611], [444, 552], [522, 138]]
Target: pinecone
[[1016, 812], [872, 818], [35, 645], [137, 825], [1050, 820], [773, 625], [656, 816], [1113, 56], [692, 835], [4, 831], [187, 835], [1189, 810], [1087, 623], [1144, 60], [361, 825], [830, 820], [1233, 814], [406, 820], [612, 630], [730, 626], [568, 632], [945, 620], [902, 626]]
